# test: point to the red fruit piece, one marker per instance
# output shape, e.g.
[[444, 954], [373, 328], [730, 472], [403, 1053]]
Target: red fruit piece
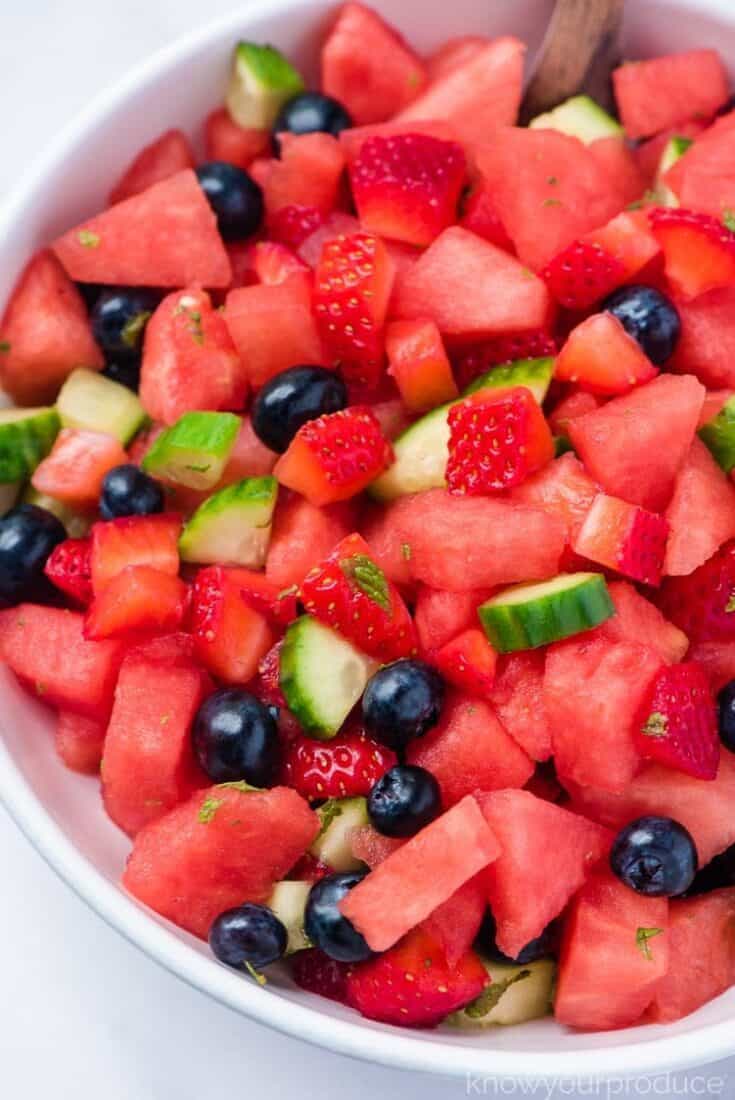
[[230, 637], [308, 172], [238, 145], [317, 973], [352, 287], [407, 187], [274, 263], [582, 274], [134, 540], [703, 603], [518, 699], [268, 685], [138, 600], [348, 766], [273, 328], [419, 365], [291, 225], [623, 537], [302, 536], [699, 251], [440, 616], [168, 154], [412, 985], [679, 726], [701, 489], [335, 457], [496, 442], [481, 217], [468, 662], [269, 599], [350, 593], [535, 344], [79, 742], [77, 465], [601, 357], [69, 568], [309, 869], [667, 91]]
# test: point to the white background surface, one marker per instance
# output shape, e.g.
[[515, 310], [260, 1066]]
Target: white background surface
[[83, 1015]]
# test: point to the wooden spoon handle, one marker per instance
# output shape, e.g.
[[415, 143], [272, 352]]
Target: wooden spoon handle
[[580, 50]]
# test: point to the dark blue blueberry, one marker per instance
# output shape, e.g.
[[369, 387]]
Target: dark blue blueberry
[[126, 373], [649, 317], [292, 398], [250, 935], [402, 701], [324, 924], [127, 491], [119, 318], [235, 198], [726, 715], [28, 534], [655, 856], [310, 113], [404, 800], [236, 737], [542, 947]]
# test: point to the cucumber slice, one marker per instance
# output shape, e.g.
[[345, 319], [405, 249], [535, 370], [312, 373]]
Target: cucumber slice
[[26, 437], [339, 817], [262, 81], [579, 117], [195, 450], [322, 676], [77, 525], [90, 401], [288, 902], [675, 148], [531, 615], [233, 527], [8, 495], [719, 435], [518, 993], [534, 374]]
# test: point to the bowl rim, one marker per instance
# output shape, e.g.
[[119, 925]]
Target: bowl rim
[[379, 1044]]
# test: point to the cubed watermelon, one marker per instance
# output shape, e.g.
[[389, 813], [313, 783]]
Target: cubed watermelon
[[621, 167], [77, 465], [273, 328], [79, 741], [701, 490], [706, 346], [718, 661], [302, 536], [138, 601], [518, 699], [665, 91], [440, 616], [307, 173], [638, 622], [563, 489], [225, 140], [168, 154], [419, 364], [704, 179]]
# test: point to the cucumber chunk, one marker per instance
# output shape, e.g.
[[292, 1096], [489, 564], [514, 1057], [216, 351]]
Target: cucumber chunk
[[26, 437], [534, 374], [579, 117], [675, 148], [77, 525], [322, 676], [531, 615], [339, 817], [233, 527], [194, 451], [719, 435], [517, 993], [91, 401], [262, 80], [288, 902]]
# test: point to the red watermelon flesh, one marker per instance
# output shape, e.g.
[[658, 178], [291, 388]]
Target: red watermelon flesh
[[307, 173], [706, 346], [665, 91], [453, 54], [704, 179], [222, 847], [518, 699], [79, 741], [378, 528], [546, 855], [701, 955], [149, 764], [593, 690], [648, 153], [44, 333], [701, 491], [164, 237], [302, 536], [164, 157], [718, 661], [614, 953], [635, 445], [638, 622], [619, 163], [273, 328], [470, 750], [563, 489], [440, 616], [238, 145]]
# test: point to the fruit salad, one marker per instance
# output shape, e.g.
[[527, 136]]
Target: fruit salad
[[368, 527]]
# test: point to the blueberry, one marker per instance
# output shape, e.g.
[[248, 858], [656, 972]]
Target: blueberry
[[250, 935], [309, 113], [235, 737], [718, 874], [234, 196], [126, 373], [28, 534], [726, 715], [404, 800], [402, 701], [649, 317], [542, 947], [292, 398], [324, 924], [127, 491], [119, 318], [655, 856]]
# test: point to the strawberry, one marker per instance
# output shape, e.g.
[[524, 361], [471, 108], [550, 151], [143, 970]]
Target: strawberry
[[623, 537], [407, 187], [309, 869], [496, 441], [679, 724], [468, 662], [350, 593], [274, 263], [291, 225], [412, 985], [317, 973], [702, 604], [581, 274], [352, 288], [502, 349], [69, 568], [230, 636], [134, 540], [699, 251], [267, 687], [137, 600], [345, 767], [277, 604], [335, 457]]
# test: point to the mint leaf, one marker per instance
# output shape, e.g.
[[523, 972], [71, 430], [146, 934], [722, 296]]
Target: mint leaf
[[88, 239], [490, 996], [255, 974], [656, 725], [728, 217], [208, 809], [730, 605], [406, 551], [369, 578], [327, 814], [642, 937], [239, 785], [4, 346], [132, 329]]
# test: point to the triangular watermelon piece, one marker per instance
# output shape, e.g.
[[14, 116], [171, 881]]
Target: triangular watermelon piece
[[639, 622], [166, 236], [704, 179], [635, 445], [706, 346], [547, 853], [665, 91], [164, 157], [618, 161], [518, 698], [701, 491]]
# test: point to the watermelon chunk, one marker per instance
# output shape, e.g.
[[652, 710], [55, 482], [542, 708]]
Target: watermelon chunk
[[231, 637], [706, 346], [637, 622], [79, 741], [518, 699], [718, 661], [165, 236], [704, 179], [524, 892], [701, 490], [222, 847], [238, 145], [168, 154], [563, 489], [273, 328], [665, 91], [307, 173], [621, 167], [440, 616], [77, 466], [302, 536]]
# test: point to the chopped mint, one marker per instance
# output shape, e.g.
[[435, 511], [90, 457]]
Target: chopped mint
[[656, 725], [255, 974], [730, 605], [133, 328], [369, 578], [327, 814], [88, 239], [551, 202], [490, 996], [406, 551], [4, 345], [208, 809], [728, 218], [239, 785], [642, 938]]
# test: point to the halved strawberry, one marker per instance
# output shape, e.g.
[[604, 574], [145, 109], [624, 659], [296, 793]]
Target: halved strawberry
[[279, 605], [496, 441], [629, 239], [702, 604], [335, 457], [291, 225], [348, 766], [134, 540], [469, 365], [468, 662], [267, 686], [69, 568], [623, 537], [601, 357], [316, 973], [699, 251], [350, 593], [77, 466], [679, 725], [582, 274], [139, 600], [230, 637]]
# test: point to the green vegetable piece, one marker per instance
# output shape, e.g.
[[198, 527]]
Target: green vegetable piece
[[262, 80], [719, 435], [26, 437], [339, 818], [288, 902], [531, 615], [195, 450], [92, 402], [675, 148], [77, 525], [579, 117], [516, 994], [233, 527]]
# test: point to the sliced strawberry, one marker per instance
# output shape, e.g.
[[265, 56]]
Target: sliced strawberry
[[699, 251], [335, 457], [291, 225], [69, 568], [230, 637], [601, 357], [345, 767], [496, 441], [468, 662], [273, 263], [412, 985], [582, 274], [139, 600], [317, 973], [502, 349], [352, 288], [268, 684], [350, 593], [134, 540], [279, 605], [703, 603], [623, 537], [679, 723]]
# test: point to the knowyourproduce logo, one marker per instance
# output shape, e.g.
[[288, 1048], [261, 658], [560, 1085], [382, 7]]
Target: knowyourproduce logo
[[665, 1084]]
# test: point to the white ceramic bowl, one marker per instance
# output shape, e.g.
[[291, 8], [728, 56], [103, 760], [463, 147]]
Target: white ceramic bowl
[[61, 813]]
